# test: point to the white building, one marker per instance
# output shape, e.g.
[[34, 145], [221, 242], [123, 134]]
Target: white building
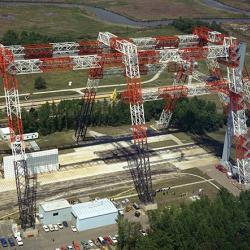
[[53, 212], [5, 134], [94, 214], [37, 162]]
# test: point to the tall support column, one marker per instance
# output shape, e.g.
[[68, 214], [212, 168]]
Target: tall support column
[[228, 144], [183, 73], [87, 104], [237, 107], [26, 181], [139, 166], [88, 100], [167, 113]]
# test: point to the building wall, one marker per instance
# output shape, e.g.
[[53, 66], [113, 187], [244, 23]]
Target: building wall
[[38, 162], [95, 222], [49, 217]]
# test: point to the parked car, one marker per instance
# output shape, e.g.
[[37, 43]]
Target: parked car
[[11, 241], [114, 240], [143, 233], [101, 240], [136, 206], [73, 228], [19, 241], [4, 242], [45, 228], [60, 225], [76, 245], [65, 224], [56, 227], [108, 240], [137, 213], [91, 243], [51, 228], [63, 247]]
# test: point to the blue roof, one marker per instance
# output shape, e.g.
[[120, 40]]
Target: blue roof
[[93, 208]]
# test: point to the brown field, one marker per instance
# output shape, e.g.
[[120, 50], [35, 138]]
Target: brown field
[[160, 9], [156, 9], [241, 4]]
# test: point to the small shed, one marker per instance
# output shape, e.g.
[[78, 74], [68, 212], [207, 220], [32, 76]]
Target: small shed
[[94, 214], [56, 211]]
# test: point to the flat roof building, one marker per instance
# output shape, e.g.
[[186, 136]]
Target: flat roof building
[[94, 214], [56, 211], [37, 162]]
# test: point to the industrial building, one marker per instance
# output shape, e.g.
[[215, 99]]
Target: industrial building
[[52, 212], [94, 214], [37, 162]]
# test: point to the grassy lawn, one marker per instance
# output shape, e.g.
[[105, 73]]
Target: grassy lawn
[[218, 135], [66, 151], [4, 146], [56, 139], [67, 23], [161, 144], [60, 80], [181, 194], [112, 131], [184, 137], [175, 196]]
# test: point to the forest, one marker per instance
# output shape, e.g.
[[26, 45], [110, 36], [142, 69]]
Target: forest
[[222, 223], [192, 115]]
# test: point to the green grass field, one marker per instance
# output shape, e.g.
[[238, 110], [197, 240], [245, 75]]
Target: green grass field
[[71, 23], [66, 23]]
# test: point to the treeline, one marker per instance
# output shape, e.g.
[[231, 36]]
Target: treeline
[[12, 37], [192, 115], [223, 223], [197, 116], [50, 118], [186, 25]]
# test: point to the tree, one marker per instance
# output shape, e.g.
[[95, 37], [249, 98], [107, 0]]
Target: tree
[[129, 234], [10, 38], [44, 119], [40, 83], [222, 223]]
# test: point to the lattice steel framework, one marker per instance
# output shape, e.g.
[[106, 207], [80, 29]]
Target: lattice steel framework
[[26, 181], [139, 56]]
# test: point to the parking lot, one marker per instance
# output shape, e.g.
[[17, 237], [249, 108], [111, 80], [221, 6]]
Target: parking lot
[[55, 239], [5, 231]]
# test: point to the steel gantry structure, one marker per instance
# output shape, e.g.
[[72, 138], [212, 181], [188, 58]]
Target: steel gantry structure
[[133, 57]]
